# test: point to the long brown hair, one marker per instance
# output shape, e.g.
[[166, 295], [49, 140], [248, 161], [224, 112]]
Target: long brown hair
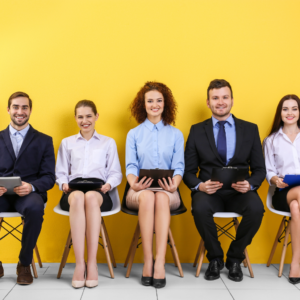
[[277, 123]]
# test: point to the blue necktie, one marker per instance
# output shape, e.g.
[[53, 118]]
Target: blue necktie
[[221, 143]]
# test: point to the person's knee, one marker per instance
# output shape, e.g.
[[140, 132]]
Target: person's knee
[[76, 199], [201, 209], [93, 200], [146, 200], [34, 211], [161, 200], [255, 210], [294, 208]]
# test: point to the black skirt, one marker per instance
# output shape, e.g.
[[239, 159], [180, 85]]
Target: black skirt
[[279, 199], [106, 205]]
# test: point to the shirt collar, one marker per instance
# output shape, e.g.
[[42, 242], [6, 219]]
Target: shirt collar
[[95, 135], [151, 126], [230, 120], [23, 132]]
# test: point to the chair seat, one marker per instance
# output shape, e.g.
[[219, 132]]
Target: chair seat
[[226, 215], [13, 214], [270, 205]]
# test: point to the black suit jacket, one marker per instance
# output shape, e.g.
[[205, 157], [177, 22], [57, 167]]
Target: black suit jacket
[[35, 163], [201, 153]]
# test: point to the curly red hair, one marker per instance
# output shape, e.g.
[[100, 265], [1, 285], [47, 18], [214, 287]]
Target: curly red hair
[[138, 109]]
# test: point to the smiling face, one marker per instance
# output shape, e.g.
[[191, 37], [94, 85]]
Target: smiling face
[[154, 104], [220, 102], [19, 112], [86, 119], [290, 112]]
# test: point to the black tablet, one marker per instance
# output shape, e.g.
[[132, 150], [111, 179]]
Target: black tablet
[[85, 185], [156, 174]]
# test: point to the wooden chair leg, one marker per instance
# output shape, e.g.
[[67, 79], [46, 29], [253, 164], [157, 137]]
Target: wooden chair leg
[[202, 252], [36, 250], [236, 225], [133, 249], [284, 247], [130, 249], [34, 268], [65, 255], [198, 253], [276, 241], [245, 262], [109, 245], [106, 250], [175, 253]]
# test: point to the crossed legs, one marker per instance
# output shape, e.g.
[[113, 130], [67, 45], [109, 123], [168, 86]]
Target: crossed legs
[[85, 221], [154, 213]]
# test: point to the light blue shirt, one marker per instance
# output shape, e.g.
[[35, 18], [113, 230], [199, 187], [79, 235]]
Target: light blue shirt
[[151, 146], [17, 138]]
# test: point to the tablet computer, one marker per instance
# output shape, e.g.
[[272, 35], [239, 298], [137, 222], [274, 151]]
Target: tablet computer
[[85, 185], [156, 174], [229, 175], [10, 183]]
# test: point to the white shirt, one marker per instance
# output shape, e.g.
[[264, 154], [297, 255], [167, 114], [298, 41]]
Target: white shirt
[[95, 158], [281, 155]]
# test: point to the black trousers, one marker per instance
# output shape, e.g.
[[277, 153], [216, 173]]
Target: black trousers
[[249, 205], [32, 208]]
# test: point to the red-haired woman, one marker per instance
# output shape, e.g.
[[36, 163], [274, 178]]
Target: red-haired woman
[[87, 155], [154, 144], [282, 156]]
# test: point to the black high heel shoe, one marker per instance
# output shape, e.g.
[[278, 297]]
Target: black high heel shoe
[[148, 281], [294, 280], [159, 283]]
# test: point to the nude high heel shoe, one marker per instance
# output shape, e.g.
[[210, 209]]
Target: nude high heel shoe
[[92, 283], [77, 284]]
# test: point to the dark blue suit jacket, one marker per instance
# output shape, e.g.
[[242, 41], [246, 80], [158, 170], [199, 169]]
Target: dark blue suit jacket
[[35, 163]]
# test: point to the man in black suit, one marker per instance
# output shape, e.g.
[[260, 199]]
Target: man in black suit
[[221, 141], [27, 153]]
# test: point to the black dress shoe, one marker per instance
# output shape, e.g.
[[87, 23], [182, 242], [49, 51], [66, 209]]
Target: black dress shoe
[[159, 283], [235, 272], [294, 280], [213, 270]]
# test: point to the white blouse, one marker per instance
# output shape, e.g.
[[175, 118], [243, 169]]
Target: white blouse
[[95, 158], [282, 157]]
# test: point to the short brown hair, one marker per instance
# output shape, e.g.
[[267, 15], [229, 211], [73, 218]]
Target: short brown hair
[[217, 84], [86, 103], [138, 109], [17, 95]]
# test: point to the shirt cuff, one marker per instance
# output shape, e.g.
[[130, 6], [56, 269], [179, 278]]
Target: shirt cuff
[[196, 188], [33, 189], [132, 171], [253, 188], [61, 181]]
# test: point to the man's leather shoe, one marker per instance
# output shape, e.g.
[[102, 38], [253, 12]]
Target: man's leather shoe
[[1, 270], [235, 272], [213, 270], [24, 274]]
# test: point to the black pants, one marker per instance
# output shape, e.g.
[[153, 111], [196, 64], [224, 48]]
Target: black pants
[[248, 205], [32, 208]]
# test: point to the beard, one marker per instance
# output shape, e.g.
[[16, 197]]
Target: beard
[[13, 118]]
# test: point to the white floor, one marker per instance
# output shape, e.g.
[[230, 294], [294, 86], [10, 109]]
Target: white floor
[[266, 284]]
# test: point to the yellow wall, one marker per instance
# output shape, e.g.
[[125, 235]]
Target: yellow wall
[[62, 51]]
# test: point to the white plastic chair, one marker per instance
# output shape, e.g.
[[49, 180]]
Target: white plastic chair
[[12, 229], [114, 195], [224, 230], [283, 228]]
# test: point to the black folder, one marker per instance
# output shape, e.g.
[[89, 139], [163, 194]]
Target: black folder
[[229, 175], [86, 185], [156, 174]]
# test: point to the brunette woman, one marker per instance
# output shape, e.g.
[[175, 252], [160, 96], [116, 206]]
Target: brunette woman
[[154, 144], [282, 155], [87, 155]]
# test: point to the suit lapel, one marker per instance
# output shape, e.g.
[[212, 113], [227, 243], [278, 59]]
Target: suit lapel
[[210, 135], [239, 129], [29, 136], [8, 143]]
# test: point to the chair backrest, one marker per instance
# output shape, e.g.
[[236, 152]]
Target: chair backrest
[[270, 195]]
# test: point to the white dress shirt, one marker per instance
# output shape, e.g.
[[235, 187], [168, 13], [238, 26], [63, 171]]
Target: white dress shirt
[[95, 158], [282, 157]]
